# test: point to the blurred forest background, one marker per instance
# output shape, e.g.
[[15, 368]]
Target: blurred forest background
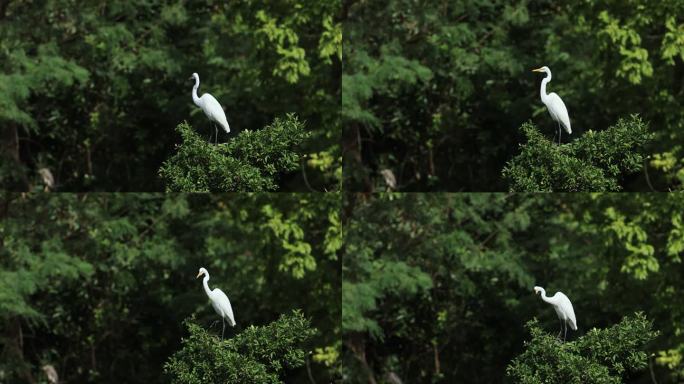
[[98, 285], [435, 92], [93, 91], [438, 287]]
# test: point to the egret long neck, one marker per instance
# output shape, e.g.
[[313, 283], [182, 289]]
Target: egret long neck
[[205, 282], [197, 102], [542, 90], [545, 298]]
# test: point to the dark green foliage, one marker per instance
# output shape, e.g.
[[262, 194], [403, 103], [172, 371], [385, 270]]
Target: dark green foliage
[[249, 161], [435, 91], [602, 356], [437, 287], [89, 90], [412, 264], [257, 355], [595, 161], [98, 284], [13, 176]]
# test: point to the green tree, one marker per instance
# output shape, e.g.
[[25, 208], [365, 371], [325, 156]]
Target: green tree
[[597, 161], [258, 355], [86, 278], [434, 91], [435, 285], [90, 91], [602, 356], [416, 266], [249, 162]]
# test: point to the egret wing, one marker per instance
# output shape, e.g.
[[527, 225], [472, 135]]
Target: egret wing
[[214, 111], [223, 304], [557, 108], [565, 306]]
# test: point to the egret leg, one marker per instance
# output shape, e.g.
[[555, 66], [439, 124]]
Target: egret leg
[[560, 332], [224, 327], [216, 129], [566, 331], [560, 133]]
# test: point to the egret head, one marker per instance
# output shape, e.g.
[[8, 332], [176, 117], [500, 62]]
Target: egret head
[[542, 69], [202, 271], [194, 76], [538, 290]]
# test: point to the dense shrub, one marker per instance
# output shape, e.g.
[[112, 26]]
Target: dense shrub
[[602, 356], [250, 161], [595, 161], [259, 354]]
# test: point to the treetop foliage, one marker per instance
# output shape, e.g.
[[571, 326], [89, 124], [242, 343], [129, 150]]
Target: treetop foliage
[[435, 92], [601, 356], [86, 278], [257, 355], [249, 161], [88, 90], [435, 285], [595, 161]]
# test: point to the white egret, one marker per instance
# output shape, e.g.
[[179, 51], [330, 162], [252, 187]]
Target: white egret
[[210, 106], [563, 307], [51, 373], [554, 104], [48, 179], [219, 301]]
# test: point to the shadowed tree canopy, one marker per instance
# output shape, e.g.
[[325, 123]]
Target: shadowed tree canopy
[[258, 355], [435, 92], [602, 356], [91, 91], [596, 161], [98, 285], [251, 161], [438, 287]]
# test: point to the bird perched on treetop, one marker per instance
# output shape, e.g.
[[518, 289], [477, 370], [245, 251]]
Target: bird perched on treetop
[[210, 106], [563, 307], [554, 104], [219, 301]]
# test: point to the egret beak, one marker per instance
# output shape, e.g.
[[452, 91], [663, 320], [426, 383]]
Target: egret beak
[[538, 70], [198, 275]]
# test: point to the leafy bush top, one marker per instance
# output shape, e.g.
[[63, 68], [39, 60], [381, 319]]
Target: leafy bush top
[[602, 356], [259, 354], [250, 161], [595, 161]]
